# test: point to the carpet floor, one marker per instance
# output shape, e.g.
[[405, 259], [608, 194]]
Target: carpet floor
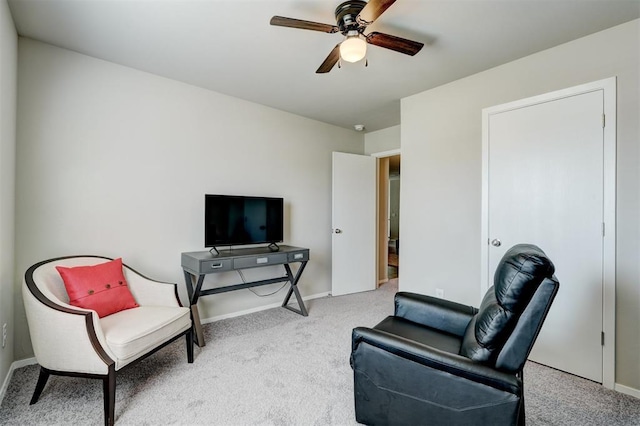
[[277, 368]]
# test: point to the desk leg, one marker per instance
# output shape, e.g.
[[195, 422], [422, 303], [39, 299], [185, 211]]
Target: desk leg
[[294, 290], [189, 283], [199, 335], [193, 302]]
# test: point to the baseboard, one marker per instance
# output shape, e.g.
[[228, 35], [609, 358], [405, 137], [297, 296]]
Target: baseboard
[[257, 309], [627, 390], [14, 365], [23, 363]]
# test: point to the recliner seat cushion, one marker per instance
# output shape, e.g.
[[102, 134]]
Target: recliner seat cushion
[[517, 278], [133, 332]]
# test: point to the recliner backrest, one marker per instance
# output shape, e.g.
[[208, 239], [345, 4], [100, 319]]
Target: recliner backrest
[[516, 349], [517, 278]]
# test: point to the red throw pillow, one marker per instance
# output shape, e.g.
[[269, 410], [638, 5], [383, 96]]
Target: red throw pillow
[[101, 287]]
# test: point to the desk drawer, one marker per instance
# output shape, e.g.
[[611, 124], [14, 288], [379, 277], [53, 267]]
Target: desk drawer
[[208, 266], [260, 260], [299, 256]]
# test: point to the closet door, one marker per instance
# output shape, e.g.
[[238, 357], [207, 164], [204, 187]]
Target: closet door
[[545, 185]]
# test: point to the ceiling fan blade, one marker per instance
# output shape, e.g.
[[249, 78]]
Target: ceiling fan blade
[[331, 60], [281, 21], [399, 44], [373, 10]]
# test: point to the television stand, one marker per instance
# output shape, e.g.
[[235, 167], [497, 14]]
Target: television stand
[[196, 265]]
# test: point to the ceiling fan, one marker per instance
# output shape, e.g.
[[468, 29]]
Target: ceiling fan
[[352, 19]]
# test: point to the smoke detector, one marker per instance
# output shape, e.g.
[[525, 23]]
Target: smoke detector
[[359, 127]]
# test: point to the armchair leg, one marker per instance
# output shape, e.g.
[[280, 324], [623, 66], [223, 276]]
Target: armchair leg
[[109, 387], [42, 381], [190, 346]]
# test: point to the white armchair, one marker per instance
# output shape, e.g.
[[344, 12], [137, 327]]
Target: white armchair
[[71, 341]]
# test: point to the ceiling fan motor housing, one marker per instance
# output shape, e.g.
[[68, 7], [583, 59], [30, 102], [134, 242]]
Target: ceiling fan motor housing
[[346, 15]]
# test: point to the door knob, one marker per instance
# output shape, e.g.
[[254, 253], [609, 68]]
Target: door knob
[[496, 242], [338, 231]]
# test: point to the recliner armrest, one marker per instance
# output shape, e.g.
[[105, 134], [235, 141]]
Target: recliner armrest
[[443, 315], [430, 357]]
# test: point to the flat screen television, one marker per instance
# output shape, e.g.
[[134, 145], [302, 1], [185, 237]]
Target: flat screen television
[[231, 220]]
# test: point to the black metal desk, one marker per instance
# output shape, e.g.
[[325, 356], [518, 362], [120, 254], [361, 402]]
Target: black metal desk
[[197, 265]]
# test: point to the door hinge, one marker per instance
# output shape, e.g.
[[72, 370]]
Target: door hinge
[[602, 338], [604, 120], [603, 229]]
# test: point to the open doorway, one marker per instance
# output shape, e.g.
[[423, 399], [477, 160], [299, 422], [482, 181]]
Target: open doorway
[[394, 218], [388, 216]]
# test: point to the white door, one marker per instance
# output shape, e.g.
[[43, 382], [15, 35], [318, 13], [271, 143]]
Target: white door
[[545, 187], [354, 224]]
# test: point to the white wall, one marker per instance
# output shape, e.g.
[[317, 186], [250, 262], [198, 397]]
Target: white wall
[[382, 140], [115, 161], [8, 83], [441, 172]]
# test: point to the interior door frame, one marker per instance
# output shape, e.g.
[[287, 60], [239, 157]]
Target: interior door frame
[[608, 86]]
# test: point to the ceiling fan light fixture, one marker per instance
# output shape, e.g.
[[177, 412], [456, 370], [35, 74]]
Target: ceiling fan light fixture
[[352, 19], [353, 48]]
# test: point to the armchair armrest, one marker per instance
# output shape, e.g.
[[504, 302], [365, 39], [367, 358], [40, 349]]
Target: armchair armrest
[[65, 338], [443, 315], [148, 292], [454, 364]]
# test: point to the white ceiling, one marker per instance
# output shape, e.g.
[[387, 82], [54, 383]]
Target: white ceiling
[[228, 45]]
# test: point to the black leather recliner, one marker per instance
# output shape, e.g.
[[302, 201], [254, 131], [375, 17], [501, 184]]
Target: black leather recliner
[[437, 362]]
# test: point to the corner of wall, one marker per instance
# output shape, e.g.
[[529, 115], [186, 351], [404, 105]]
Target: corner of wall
[[8, 106]]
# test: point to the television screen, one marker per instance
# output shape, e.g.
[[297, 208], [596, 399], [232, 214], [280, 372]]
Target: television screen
[[236, 220]]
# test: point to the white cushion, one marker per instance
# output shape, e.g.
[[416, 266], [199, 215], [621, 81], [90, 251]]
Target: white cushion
[[133, 332]]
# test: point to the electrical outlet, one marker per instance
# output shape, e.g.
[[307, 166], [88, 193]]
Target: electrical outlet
[[4, 334], [439, 293]]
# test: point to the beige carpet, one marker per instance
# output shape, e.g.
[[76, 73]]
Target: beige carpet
[[277, 368]]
